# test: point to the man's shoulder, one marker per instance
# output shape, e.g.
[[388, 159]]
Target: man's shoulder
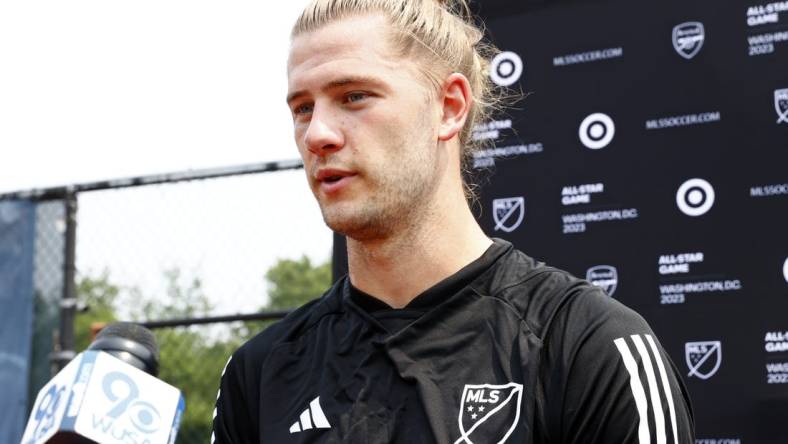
[[539, 291], [291, 328]]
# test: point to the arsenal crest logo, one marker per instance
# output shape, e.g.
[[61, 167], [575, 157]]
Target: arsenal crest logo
[[781, 104], [604, 277], [508, 213], [688, 39], [703, 358], [489, 413]]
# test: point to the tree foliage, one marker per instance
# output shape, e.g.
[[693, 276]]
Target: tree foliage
[[292, 283], [100, 296]]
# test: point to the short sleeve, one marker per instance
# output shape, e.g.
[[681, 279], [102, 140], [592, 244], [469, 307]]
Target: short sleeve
[[610, 381]]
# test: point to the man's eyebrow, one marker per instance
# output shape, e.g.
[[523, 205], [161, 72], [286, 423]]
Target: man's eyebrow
[[344, 81]]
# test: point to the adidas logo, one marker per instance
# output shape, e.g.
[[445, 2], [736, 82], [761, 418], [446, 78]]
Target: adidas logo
[[317, 419]]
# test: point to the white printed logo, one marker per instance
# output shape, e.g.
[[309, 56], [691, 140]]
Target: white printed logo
[[596, 131], [47, 410], [695, 197], [688, 39], [703, 358], [504, 213], [781, 104], [785, 269], [490, 412], [604, 277], [316, 420], [506, 68]]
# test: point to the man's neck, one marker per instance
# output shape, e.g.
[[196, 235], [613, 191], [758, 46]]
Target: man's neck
[[398, 268]]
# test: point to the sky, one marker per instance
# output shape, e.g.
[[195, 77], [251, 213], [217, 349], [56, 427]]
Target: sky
[[96, 89], [93, 90]]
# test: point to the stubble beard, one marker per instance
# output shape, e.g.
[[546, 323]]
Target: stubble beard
[[388, 206], [391, 201]]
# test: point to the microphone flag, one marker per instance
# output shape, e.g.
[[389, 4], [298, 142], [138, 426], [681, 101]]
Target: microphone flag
[[104, 399]]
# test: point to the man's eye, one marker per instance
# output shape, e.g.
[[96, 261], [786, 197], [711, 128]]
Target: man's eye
[[356, 97], [302, 109]]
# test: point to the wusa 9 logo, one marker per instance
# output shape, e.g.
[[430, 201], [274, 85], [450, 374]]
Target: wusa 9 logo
[[123, 393], [695, 197], [45, 414]]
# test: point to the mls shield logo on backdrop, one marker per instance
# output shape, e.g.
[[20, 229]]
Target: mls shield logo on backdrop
[[508, 213], [688, 38], [703, 358], [604, 277], [781, 104], [489, 413]]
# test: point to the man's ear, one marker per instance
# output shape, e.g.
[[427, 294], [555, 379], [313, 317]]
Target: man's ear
[[455, 100]]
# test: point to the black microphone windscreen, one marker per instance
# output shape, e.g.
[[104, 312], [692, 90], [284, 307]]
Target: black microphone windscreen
[[129, 342]]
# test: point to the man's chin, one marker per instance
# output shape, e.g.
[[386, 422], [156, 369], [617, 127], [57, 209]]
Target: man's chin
[[342, 224], [355, 226]]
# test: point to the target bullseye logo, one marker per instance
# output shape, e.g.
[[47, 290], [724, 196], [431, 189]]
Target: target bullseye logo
[[596, 131], [695, 197], [785, 269], [506, 68]]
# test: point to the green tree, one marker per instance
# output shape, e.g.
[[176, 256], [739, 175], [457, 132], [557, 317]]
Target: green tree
[[182, 299], [100, 297], [293, 283]]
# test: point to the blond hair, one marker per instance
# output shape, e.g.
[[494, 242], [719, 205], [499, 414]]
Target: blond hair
[[443, 35]]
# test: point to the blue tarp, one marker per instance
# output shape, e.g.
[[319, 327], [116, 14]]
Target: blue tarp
[[17, 233]]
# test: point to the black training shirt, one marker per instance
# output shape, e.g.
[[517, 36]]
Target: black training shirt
[[507, 350]]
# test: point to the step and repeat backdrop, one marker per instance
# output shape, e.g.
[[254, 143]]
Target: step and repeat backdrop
[[649, 154]]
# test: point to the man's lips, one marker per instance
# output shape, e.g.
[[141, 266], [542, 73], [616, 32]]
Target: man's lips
[[332, 179], [332, 174]]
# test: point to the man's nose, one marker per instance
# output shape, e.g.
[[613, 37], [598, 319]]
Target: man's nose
[[323, 135]]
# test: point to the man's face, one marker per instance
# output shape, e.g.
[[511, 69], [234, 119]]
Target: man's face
[[366, 127]]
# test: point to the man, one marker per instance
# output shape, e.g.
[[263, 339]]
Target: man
[[438, 333]]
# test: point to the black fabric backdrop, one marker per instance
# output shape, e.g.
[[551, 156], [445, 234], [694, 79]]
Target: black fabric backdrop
[[686, 106]]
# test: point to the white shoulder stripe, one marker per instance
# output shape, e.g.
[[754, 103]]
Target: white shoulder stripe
[[656, 402], [218, 395], [665, 386], [644, 437], [226, 364]]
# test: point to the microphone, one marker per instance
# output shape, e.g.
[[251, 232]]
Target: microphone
[[108, 394], [131, 343]]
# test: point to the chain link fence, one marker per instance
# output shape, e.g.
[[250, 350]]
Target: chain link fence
[[48, 267], [185, 254]]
